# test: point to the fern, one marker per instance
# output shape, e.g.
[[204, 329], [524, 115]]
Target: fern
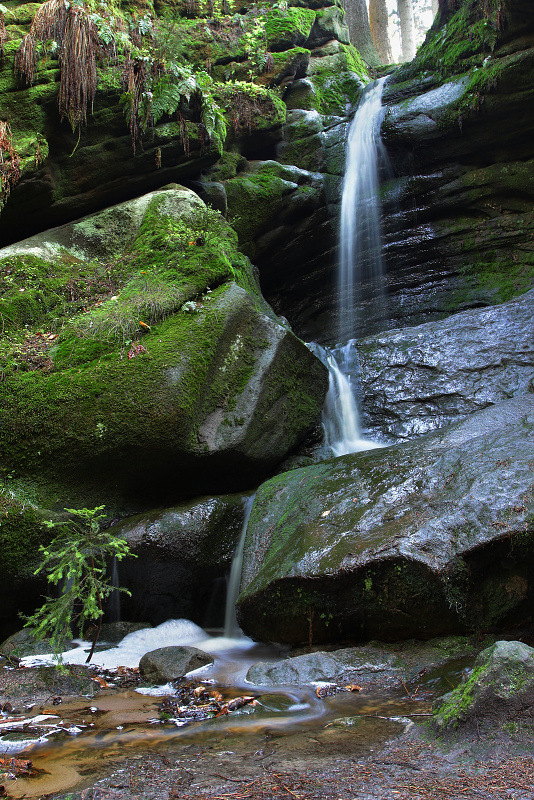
[[166, 98]]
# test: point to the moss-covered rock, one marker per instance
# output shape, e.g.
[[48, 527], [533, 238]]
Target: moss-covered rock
[[288, 28], [408, 541], [499, 688], [174, 377]]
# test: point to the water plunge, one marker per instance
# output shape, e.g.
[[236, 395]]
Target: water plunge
[[360, 272]]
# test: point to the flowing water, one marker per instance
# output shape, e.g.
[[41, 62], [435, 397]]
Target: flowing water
[[231, 628], [341, 415], [361, 271]]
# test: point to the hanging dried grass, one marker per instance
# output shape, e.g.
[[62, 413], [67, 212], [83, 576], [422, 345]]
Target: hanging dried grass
[[26, 59], [78, 45], [134, 82], [79, 78], [9, 162]]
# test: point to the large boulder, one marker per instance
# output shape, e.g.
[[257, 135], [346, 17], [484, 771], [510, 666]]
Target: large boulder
[[499, 689], [415, 540], [414, 380], [170, 375]]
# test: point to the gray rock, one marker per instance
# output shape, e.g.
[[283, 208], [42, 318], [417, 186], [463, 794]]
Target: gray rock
[[351, 665], [377, 665], [114, 632], [415, 380], [168, 663], [499, 688], [22, 643], [42, 683], [329, 24], [421, 539]]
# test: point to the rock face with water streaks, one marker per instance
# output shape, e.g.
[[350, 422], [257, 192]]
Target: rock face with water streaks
[[414, 380], [458, 212], [183, 554], [417, 540]]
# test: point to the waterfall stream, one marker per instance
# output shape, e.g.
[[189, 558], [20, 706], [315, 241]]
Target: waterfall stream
[[360, 272], [231, 628]]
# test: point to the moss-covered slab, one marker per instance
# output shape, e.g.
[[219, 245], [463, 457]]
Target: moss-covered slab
[[408, 541], [498, 692], [167, 372]]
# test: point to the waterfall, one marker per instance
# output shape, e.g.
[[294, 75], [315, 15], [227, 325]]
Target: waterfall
[[231, 628], [114, 602], [361, 275], [341, 418]]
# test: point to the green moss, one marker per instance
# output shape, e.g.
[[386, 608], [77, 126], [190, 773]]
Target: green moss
[[253, 202], [458, 702], [338, 80], [284, 29]]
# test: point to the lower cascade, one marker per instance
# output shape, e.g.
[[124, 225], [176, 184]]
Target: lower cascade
[[231, 628], [341, 415]]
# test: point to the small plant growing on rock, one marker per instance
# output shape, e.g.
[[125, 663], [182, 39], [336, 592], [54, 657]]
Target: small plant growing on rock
[[76, 561]]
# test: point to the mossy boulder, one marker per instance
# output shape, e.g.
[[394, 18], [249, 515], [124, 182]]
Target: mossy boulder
[[288, 28], [38, 684], [408, 541], [499, 690], [23, 643], [173, 376]]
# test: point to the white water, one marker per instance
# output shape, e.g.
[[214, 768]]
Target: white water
[[231, 628], [361, 265], [341, 417], [230, 647], [360, 272]]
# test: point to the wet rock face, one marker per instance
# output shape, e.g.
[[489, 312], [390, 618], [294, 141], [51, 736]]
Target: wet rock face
[[415, 380], [498, 689], [409, 541], [458, 207], [183, 555]]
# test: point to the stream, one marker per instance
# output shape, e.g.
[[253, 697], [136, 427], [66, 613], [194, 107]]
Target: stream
[[81, 737]]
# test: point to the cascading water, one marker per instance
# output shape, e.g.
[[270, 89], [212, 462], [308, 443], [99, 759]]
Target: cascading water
[[231, 628], [341, 417], [114, 603], [360, 274]]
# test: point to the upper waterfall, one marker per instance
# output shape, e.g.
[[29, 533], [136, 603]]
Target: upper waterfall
[[360, 274]]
